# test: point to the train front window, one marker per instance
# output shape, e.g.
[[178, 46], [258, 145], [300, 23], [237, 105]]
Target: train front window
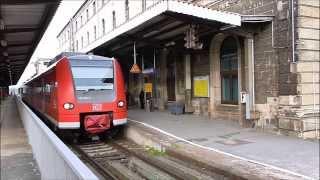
[[91, 78]]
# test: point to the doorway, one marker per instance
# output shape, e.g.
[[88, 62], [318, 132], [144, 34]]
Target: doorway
[[229, 71], [171, 78]]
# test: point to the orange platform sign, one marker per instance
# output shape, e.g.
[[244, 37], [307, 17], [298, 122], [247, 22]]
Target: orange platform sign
[[135, 69]]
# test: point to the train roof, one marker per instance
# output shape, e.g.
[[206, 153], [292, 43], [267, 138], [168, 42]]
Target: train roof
[[69, 55], [77, 55]]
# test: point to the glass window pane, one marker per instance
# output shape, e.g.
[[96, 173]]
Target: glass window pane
[[235, 89], [226, 89], [92, 72], [86, 78], [228, 66]]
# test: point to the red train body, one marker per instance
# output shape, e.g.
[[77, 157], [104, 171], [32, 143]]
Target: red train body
[[83, 92]]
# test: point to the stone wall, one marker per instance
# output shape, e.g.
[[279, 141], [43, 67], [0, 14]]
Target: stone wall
[[299, 113], [199, 67], [287, 89], [271, 52]]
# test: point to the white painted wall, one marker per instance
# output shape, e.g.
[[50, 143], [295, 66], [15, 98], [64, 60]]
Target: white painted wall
[[104, 11], [136, 16]]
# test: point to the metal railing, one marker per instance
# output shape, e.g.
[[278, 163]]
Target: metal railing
[[54, 158]]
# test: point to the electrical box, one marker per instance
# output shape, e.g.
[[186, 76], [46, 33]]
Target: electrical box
[[243, 97]]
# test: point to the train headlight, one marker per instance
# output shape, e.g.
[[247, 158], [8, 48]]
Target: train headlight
[[68, 106], [120, 104]]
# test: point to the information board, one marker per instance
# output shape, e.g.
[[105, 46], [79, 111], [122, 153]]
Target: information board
[[148, 87], [201, 86]]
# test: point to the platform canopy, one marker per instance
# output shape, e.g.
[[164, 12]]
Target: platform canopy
[[22, 25], [164, 22]]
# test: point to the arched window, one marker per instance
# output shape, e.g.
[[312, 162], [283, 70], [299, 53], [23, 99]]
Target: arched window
[[229, 71], [81, 41], [95, 32], [103, 26], [77, 45]]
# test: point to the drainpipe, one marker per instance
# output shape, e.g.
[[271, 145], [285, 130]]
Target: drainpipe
[[142, 75], [314, 102], [134, 53], [154, 77], [253, 82], [292, 31]]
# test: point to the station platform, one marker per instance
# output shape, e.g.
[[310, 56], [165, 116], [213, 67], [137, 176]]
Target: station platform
[[16, 154], [277, 151]]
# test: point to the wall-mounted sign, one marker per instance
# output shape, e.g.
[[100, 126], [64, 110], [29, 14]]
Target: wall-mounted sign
[[148, 87], [243, 97], [135, 69], [201, 86], [148, 71]]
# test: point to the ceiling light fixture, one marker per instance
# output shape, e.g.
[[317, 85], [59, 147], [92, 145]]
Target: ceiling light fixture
[[3, 43], [227, 27], [2, 25]]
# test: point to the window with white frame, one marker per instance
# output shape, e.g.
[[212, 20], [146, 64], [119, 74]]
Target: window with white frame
[[114, 23], [94, 7], [77, 45], [95, 32], [103, 26], [81, 41], [88, 38], [87, 13], [127, 9], [144, 5]]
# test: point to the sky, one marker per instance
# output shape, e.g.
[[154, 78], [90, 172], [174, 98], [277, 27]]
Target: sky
[[48, 45]]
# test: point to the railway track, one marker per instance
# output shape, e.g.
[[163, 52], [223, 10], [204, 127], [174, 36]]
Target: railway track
[[125, 160]]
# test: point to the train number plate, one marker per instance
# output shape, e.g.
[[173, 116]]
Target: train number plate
[[96, 107]]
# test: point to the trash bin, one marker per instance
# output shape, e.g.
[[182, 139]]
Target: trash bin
[[176, 108]]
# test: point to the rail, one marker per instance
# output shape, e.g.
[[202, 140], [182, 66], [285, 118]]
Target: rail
[[54, 158]]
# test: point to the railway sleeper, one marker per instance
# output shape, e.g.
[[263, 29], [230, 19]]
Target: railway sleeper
[[104, 155], [118, 157], [162, 163], [107, 149], [95, 147], [120, 171], [147, 171]]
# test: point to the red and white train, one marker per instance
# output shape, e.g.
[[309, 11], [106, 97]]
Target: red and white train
[[80, 92]]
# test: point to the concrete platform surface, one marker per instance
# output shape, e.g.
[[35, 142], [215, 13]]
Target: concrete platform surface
[[290, 153], [16, 155]]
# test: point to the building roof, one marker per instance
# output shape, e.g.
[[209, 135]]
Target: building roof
[[164, 9]]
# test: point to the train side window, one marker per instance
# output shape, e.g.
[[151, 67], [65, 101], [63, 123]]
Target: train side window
[[47, 88]]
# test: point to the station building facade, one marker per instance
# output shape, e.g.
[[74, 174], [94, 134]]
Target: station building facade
[[251, 61]]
